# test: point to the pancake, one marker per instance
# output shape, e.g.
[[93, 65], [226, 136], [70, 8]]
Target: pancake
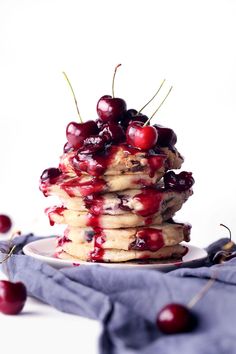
[[80, 252], [62, 215], [117, 160], [137, 238], [66, 186], [145, 202]]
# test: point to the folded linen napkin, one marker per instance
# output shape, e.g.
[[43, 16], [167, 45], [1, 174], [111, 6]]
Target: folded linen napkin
[[126, 301]]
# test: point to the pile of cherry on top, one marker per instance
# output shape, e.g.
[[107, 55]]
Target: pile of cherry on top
[[117, 188]]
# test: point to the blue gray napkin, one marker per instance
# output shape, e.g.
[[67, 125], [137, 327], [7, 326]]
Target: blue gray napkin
[[127, 301]]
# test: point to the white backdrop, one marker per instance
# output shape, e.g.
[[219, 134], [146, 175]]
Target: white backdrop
[[190, 43]]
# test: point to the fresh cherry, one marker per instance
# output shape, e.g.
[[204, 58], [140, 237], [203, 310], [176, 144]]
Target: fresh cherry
[[111, 109], [12, 297], [77, 132], [5, 223], [166, 136], [141, 136], [50, 174], [132, 115], [175, 318], [180, 182], [113, 132]]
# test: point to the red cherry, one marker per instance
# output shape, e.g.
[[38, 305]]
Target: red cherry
[[175, 318], [111, 109], [5, 223], [12, 297], [140, 136], [77, 132]]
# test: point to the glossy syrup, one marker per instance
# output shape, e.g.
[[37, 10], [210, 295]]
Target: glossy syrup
[[98, 252], [148, 239]]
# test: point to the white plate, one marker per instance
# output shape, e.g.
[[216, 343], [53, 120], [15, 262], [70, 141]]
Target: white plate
[[44, 250]]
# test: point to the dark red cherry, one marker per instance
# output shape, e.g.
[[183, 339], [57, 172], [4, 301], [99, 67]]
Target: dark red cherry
[[111, 109], [180, 182], [140, 136], [175, 318], [77, 132], [113, 132], [12, 297], [132, 115], [50, 174], [93, 144], [185, 180], [166, 136], [5, 223]]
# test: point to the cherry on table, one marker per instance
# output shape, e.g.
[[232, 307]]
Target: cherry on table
[[12, 297], [77, 132], [141, 136], [5, 223], [175, 318]]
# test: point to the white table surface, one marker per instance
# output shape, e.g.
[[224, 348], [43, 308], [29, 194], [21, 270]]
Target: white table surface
[[42, 329]]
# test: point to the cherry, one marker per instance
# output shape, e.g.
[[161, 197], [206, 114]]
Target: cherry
[[5, 223], [113, 132], [180, 182], [77, 132], [50, 174], [141, 136], [12, 297], [111, 108], [166, 136], [175, 318]]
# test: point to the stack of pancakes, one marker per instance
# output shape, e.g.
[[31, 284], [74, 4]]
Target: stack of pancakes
[[116, 205]]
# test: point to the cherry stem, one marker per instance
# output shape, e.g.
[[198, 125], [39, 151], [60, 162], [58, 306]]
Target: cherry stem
[[152, 97], [228, 230], [8, 255], [159, 106], [202, 292], [113, 80], [73, 93]]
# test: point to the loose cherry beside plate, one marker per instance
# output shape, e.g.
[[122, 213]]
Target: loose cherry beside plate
[[44, 250]]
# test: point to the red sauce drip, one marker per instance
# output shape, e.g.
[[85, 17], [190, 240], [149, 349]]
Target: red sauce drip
[[148, 221], [150, 199], [95, 204], [155, 163], [94, 164], [95, 185], [93, 220], [98, 252], [54, 210], [62, 240], [148, 239]]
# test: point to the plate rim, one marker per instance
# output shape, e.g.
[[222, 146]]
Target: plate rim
[[27, 250]]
